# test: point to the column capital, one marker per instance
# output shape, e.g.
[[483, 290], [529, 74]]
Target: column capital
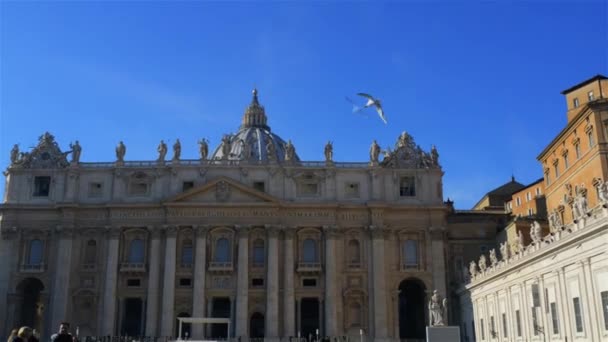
[[331, 231], [242, 230], [155, 231], [64, 231], [113, 232], [273, 231], [201, 230], [378, 232], [170, 230], [289, 232]]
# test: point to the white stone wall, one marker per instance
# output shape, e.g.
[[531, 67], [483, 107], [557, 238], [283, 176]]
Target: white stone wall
[[572, 263]]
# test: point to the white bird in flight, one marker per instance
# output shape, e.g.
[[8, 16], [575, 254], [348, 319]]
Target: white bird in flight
[[373, 102]]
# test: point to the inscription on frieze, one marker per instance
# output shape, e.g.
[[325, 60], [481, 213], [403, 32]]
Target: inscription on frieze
[[136, 214]]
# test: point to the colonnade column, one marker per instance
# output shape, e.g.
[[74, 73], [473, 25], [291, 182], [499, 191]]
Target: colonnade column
[[198, 293], [331, 319], [7, 246], [289, 319], [108, 325], [153, 282], [379, 281], [563, 305], [242, 292], [166, 324], [590, 298], [59, 299], [272, 286]]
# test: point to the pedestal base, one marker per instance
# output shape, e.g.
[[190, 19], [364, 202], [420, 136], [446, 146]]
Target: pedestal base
[[443, 334]]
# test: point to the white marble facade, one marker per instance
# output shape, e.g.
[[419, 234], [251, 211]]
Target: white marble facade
[[553, 290], [252, 233]]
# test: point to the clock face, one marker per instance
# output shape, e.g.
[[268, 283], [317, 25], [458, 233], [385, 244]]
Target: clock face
[[45, 156]]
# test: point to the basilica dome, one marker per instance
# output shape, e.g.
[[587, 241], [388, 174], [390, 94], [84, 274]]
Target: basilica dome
[[254, 142]]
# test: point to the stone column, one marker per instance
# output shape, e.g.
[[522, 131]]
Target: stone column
[[59, 301], [438, 257], [379, 281], [153, 282], [242, 294], [562, 306], [7, 246], [108, 325], [331, 317], [289, 319], [590, 298], [198, 292], [168, 299], [272, 285]]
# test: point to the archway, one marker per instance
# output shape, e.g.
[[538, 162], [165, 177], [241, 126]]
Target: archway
[[31, 308], [309, 316], [256, 325], [412, 299], [220, 308], [132, 321]]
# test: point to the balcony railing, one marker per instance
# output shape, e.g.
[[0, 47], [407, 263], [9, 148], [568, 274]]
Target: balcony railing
[[309, 266], [186, 265], [409, 267], [220, 266], [134, 267], [257, 265], [33, 268], [354, 265]]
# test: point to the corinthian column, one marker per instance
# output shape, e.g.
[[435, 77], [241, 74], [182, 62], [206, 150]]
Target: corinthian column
[[109, 288], [242, 291], [379, 281], [198, 295], [272, 285], [62, 276], [153, 283], [289, 319], [169, 282], [331, 303]]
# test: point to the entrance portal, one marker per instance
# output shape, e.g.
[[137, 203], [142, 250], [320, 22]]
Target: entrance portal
[[411, 309], [133, 317], [31, 309], [309, 316], [220, 308], [256, 325]]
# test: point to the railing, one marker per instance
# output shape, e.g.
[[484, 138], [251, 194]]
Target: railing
[[33, 268], [132, 267], [309, 267], [310, 338], [198, 162], [406, 267], [186, 265], [220, 266]]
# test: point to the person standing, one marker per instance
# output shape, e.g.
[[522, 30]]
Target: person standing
[[64, 334]]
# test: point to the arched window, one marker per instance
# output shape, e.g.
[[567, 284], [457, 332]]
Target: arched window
[[222, 250], [310, 251], [258, 252], [410, 252], [35, 256], [354, 313], [136, 251], [354, 252], [90, 252], [187, 256]]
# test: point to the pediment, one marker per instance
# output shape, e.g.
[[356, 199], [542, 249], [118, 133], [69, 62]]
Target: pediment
[[223, 190]]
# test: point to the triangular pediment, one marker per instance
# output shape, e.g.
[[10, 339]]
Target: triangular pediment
[[223, 190]]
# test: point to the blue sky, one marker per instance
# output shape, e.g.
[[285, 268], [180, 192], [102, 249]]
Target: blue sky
[[481, 80]]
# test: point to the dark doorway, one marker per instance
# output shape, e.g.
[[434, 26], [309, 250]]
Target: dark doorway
[[309, 313], [411, 309], [31, 310], [256, 325], [186, 327], [133, 317], [220, 308]]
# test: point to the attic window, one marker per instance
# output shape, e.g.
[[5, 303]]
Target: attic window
[[575, 102], [407, 187], [95, 189], [259, 186], [42, 186], [187, 186], [351, 190]]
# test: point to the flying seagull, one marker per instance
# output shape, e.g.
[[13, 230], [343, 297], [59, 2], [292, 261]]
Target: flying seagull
[[373, 102]]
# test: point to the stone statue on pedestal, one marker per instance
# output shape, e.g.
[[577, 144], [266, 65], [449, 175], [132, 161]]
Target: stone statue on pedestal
[[482, 263], [535, 232], [437, 310], [473, 269], [290, 151], [329, 152], [121, 150], [493, 258], [504, 251], [15, 154], [203, 148], [76, 149], [434, 156], [162, 151], [374, 152], [177, 150], [520, 241], [226, 147], [602, 190]]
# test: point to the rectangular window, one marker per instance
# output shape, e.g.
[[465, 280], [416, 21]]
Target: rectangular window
[[556, 170], [547, 179], [591, 140], [518, 322], [133, 282], [535, 296], [483, 333], [530, 212], [575, 102], [554, 318], [590, 96], [138, 189], [187, 186], [407, 187], [577, 150], [566, 164], [517, 202], [411, 253], [309, 282], [504, 325], [578, 314], [185, 282], [537, 191], [42, 186], [259, 186], [257, 282], [187, 256], [492, 327], [528, 197], [604, 295], [351, 190], [95, 189], [535, 325]]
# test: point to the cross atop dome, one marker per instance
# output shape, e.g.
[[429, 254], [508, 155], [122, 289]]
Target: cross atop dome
[[255, 115]]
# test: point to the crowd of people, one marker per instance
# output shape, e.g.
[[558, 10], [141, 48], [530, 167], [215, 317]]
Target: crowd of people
[[27, 334]]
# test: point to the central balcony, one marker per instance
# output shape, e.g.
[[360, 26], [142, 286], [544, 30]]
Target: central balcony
[[133, 267], [309, 267], [33, 268], [221, 266]]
